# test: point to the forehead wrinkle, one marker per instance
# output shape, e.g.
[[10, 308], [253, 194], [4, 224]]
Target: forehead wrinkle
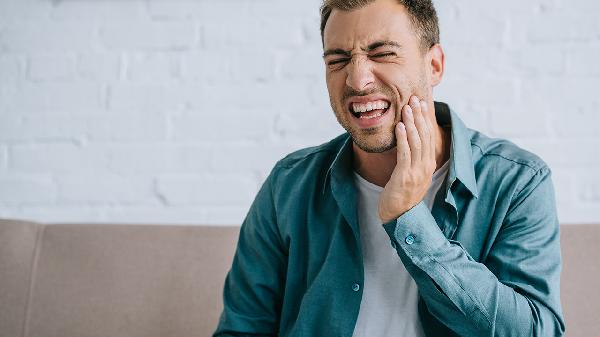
[[353, 42]]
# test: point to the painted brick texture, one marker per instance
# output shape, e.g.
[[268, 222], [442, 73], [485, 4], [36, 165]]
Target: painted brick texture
[[161, 111]]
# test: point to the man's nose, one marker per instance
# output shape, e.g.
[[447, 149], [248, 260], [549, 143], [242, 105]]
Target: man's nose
[[359, 74]]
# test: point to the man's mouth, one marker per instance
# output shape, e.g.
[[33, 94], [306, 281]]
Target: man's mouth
[[369, 110]]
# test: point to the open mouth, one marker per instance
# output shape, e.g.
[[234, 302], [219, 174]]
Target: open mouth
[[369, 110]]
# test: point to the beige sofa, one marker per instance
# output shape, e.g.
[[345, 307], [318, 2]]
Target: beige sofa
[[84, 280]]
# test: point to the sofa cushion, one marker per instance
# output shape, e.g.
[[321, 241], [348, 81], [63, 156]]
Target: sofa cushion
[[144, 280], [129, 280], [17, 246], [580, 294]]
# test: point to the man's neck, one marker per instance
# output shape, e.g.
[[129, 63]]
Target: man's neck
[[377, 168]]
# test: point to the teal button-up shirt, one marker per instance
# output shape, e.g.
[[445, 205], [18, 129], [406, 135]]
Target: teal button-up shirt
[[486, 259]]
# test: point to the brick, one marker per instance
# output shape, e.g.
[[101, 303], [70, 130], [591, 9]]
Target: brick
[[45, 37], [250, 32], [222, 124], [242, 95], [233, 10], [125, 126], [580, 121], [518, 120], [153, 158], [104, 188], [106, 10], [96, 126], [93, 93], [578, 59], [206, 189], [154, 67], [51, 67], [19, 189], [564, 181], [248, 157], [312, 126], [243, 65], [207, 66], [11, 69], [194, 10], [491, 29], [588, 187], [557, 26], [480, 91], [58, 158], [142, 35], [43, 97], [558, 95], [26, 128], [3, 157], [474, 62], [145, 97], [18, 10], [99, 66]]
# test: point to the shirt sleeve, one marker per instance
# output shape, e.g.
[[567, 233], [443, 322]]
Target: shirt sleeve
[[514, 292], [253, 290]]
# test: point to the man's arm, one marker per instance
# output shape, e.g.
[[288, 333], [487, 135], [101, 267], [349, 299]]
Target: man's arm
[[515, 292], [254, 285]]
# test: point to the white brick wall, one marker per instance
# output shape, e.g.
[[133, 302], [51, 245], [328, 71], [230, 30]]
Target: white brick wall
[[112, 111]]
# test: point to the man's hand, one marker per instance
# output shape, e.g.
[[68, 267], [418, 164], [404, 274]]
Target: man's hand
[[415, 164]]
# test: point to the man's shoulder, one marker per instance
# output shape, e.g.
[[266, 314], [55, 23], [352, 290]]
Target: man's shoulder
[[500, 151], [322, 154]]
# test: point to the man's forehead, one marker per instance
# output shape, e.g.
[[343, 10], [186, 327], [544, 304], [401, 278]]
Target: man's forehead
[[361, 27]]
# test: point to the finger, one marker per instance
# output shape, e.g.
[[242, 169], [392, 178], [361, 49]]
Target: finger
[[402, 148], [422, 128], [412, 135], [431, 125], [398, 116]]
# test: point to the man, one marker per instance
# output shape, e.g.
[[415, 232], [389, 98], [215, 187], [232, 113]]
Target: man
[[409, 224]]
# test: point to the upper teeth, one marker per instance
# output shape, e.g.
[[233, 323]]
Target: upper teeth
[[364, 107]]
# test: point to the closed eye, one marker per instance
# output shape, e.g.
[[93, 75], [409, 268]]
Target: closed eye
[[333, 62], [384, 54]]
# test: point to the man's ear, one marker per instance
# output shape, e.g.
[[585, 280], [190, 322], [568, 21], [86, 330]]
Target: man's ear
[[437, 61]]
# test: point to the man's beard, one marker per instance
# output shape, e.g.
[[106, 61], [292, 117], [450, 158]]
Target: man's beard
[[380, 138], [367, 140]]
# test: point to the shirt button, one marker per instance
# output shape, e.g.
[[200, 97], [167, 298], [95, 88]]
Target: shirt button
[[410, 239], [356, 287], [393, 243]]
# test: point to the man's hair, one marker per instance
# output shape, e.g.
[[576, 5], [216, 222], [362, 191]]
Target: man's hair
[[422, 15]]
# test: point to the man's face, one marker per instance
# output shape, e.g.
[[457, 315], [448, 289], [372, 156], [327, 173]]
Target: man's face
[[374, 62]]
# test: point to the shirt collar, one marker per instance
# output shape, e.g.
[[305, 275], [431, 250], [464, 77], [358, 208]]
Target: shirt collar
[[461, 161]]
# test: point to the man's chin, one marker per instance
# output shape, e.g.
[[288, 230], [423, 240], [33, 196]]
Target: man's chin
[[370, 143]]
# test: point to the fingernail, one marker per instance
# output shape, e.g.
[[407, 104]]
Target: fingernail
[[408, 110], [401, 125], [415, 100]]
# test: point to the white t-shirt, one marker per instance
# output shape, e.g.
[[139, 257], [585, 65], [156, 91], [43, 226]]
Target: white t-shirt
[[390, 295]]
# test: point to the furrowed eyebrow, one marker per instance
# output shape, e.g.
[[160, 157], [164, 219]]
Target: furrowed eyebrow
[[336, 52], [369, 48], [386, 43]]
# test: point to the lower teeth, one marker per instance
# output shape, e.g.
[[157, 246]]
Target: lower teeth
[[369, 117]]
